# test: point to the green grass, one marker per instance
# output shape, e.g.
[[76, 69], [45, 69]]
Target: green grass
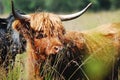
[[18, 70]]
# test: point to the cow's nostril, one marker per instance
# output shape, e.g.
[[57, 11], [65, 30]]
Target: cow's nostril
[[56, 48]]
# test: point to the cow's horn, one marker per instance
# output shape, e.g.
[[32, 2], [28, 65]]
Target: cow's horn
[[74, 15], [18, 15]]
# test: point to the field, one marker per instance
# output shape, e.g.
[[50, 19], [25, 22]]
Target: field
[[86, 21], [90, 20]]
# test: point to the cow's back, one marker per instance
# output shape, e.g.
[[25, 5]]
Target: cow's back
[[102, 45]]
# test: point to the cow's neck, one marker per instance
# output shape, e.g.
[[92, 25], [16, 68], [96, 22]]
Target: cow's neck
[[33, 62]]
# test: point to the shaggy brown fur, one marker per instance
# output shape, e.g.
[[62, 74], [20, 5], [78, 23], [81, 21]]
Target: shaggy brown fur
[[44, 35], [109, 31], [106, 38]]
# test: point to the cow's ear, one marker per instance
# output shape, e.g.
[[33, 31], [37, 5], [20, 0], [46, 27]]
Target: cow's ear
[[3, 20], [16, 25], [3, 23]]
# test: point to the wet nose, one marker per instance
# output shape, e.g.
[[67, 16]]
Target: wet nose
[[57, 48], [54, 50]]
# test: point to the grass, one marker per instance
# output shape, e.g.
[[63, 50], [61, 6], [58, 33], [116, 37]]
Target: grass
[[86, 21]]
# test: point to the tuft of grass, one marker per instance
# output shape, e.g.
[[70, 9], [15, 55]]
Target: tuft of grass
[[12, 74], [16, 72]]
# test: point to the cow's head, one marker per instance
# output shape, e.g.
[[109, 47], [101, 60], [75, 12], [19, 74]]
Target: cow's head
[[44, 30]]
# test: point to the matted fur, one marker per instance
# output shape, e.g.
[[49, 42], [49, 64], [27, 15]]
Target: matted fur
[[47, 23], [102, 48]]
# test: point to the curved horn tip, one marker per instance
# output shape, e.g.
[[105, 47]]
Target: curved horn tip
[[18, 15], [90, 4], [13, 10], [74, 15], [12, 5]]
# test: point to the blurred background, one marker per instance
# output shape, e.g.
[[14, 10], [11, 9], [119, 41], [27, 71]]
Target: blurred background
[[59, 5], [102, 11]]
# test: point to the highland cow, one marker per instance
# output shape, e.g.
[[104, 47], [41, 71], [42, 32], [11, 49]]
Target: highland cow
[[44, 34]]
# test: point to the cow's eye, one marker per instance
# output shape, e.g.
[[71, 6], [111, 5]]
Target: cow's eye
[[39, 36]]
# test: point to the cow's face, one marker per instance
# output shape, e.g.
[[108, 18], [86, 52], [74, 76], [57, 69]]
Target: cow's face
[[45, 30], [48, 46]]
